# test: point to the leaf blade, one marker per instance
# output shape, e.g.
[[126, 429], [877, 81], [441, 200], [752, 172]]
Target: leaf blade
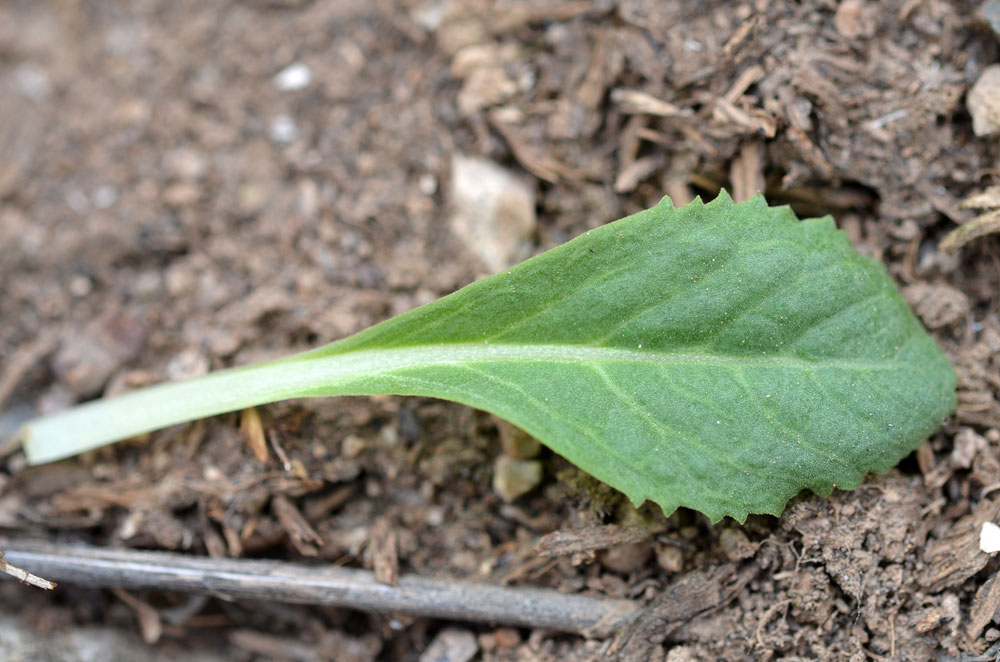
[[720, 356]]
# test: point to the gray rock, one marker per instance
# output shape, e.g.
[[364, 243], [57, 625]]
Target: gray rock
[[492, 212], [984, 102], [451, 645], [83, 644], [513, 478]]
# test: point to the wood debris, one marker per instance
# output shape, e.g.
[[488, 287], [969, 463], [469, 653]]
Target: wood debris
[[150, 623], [746, 171], [384, 545], [695, 593], [588, 539], [253, 432], [634, 102], [954, 558], [985, 607], [24, 576], [300, 532]]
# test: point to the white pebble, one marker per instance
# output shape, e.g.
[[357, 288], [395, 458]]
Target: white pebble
[[105, 197], [989, 538], [293, 77], [283, 129]]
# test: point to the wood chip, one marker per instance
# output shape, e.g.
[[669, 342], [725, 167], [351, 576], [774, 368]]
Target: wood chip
[[956, 557], [321, 507], [698, 592], [746, 172], [984, 608], [629, 141], [754, 120], [604, 68], [588, 539], [540, 165], [629, 178], [743, 82], [384, 545], [738, 37], [633, 102], [150, 623], [302, 535], [253, 432], [810, 152]]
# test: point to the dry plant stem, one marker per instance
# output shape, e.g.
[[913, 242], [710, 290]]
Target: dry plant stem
[[988, 223], [24, 576], [235, 579]]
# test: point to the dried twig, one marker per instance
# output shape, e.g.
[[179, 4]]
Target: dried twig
[[323, 585], [24, 576], [980, 226]]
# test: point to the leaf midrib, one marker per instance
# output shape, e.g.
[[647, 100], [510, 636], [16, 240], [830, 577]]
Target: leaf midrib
[[418, 356]]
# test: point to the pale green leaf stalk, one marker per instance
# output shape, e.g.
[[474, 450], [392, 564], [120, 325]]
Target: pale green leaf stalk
[[722, 357]]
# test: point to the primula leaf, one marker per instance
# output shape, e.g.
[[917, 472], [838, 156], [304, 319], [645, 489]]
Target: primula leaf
[[721, 357]]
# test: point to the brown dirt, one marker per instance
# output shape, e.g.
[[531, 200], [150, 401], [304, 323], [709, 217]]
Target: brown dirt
[[156, 222]]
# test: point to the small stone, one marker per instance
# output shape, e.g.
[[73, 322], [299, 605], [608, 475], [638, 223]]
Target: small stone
[[295, 76], [513, 478], [32, 81], [984, 102], [735, 544], [80, 286], [434, 516], [517, 443], [989, 538], [626, 559], [105, 196], [283, 129], [507, 637], [854, 19], [189, 363], [428, 184], [181, 194], [682, 654], [451, 645], [493, 212], [968, 444], [428, 14], [938, 305], [352, 446], [186, 163], [670, 558], [991, 12]]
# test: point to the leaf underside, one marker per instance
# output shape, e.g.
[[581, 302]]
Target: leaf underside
[[719, 356]]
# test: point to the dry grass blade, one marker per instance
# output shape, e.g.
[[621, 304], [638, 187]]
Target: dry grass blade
[[982, 225]]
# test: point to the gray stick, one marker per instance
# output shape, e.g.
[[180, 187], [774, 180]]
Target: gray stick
[[234, 579]]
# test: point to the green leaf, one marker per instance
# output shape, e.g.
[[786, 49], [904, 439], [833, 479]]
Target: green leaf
[[722, 357]]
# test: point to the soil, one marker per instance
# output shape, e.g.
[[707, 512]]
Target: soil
[[167, 208]]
